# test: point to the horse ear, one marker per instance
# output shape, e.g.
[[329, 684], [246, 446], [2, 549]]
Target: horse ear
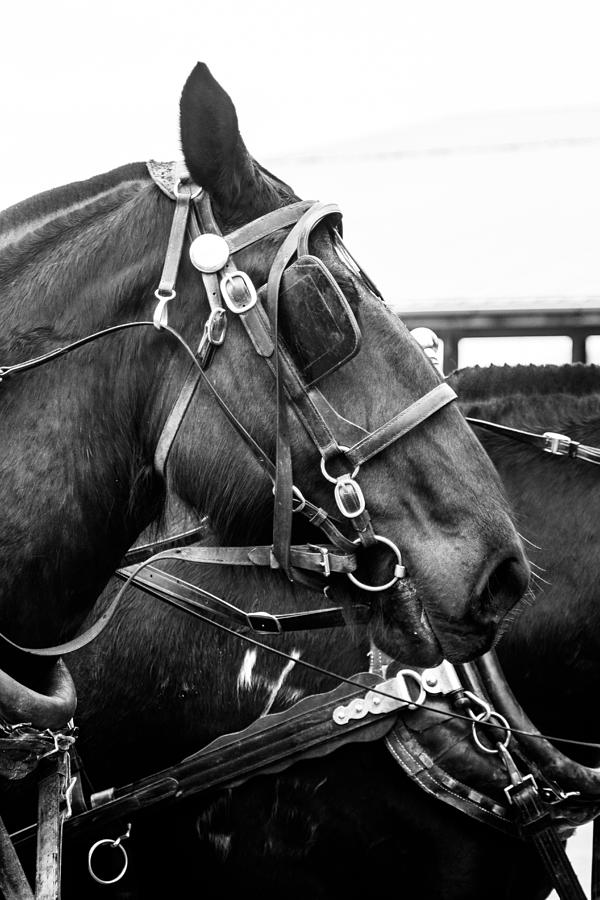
[[213, 149]]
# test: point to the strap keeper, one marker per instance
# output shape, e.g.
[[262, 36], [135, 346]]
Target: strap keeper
[[264, 622], [318, 517]]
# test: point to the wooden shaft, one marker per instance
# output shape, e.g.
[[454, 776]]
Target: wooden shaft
[[13, 883], [52, 785]]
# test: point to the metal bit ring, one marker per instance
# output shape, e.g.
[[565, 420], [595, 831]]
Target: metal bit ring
[[399, 570]]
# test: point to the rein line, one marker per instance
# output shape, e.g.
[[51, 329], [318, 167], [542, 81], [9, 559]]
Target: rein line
[[196, 610], [550, 441]]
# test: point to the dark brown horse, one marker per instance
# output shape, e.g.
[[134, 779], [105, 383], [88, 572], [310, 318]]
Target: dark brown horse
[[343, 825], [79, 433]]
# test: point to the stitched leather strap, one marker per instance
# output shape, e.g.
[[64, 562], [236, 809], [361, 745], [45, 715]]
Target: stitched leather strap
[[395, 428], [305, 556], [187, 597], [266, 225], [535, 822]]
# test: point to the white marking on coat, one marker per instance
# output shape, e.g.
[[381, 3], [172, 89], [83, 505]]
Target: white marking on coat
[[277, 685], [221, 843], [244, 679]]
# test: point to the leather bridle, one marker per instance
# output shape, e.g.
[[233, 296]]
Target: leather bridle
[[333, 435]]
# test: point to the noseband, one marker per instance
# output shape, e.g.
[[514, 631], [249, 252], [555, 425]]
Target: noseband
[[231, 292]]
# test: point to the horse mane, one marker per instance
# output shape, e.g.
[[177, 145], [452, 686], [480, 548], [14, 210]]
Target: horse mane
[[540, 398], [88, 255]]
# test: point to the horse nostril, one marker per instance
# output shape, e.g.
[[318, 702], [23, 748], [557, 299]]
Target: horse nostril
[[504, 587]]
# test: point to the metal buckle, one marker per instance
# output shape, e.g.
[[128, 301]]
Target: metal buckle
[[246, 305], [350, 487], [324, 561], [558, 444], [264, 622], [512, 787], [216, 326]]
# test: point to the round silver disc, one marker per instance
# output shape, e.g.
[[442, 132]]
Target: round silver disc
[[209, 252]]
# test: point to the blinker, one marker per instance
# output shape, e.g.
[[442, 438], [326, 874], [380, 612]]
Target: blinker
[[317, 324]]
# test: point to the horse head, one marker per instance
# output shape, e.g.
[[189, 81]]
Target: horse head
[[326, 387], [351, 372]]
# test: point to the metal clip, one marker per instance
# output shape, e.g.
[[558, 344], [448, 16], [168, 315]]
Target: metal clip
[[559, 444], [213, 335], [443, 679], [390, 695], [160, 317]]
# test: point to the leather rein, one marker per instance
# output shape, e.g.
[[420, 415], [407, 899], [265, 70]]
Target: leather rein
[[550, 441]]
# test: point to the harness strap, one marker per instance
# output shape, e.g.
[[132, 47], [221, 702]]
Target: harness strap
[[184, 596], [535, 822], [550, 441], [304, 556], [166, 289], [401, 424], [270, 744], [266, 225], [145, 551]]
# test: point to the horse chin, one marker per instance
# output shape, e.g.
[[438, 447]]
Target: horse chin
[[401, 628]]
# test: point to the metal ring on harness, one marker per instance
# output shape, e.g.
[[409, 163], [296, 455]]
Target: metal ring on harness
[[399, 569], [117, 845], [502, 722], [329, 477]]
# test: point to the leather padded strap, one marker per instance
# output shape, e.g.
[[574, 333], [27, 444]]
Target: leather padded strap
[[395, 428]]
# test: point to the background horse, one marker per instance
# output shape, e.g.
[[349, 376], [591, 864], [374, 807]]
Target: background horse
[[79, 434], [341, 825]]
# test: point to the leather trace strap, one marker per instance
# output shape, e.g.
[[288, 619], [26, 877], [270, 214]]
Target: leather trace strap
[[550, 441]]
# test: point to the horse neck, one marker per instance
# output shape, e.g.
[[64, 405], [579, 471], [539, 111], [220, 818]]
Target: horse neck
[[551, 653], [77, 481]]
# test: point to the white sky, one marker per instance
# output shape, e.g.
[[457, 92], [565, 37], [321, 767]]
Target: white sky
[[86, 87]]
